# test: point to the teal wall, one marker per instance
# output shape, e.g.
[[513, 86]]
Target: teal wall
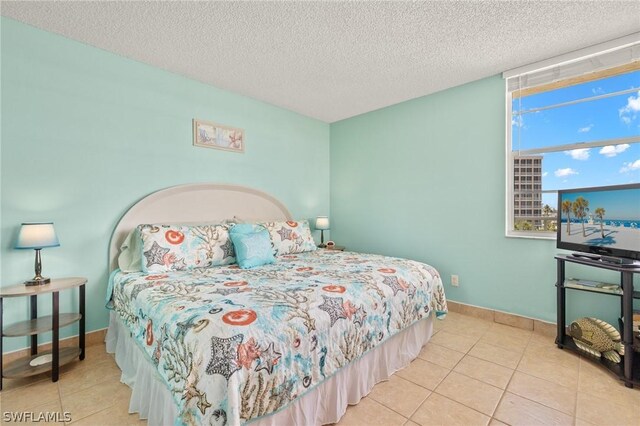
[[425, 180], [86, 133]]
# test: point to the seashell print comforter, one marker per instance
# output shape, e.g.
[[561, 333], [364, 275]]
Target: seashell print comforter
[[233, 345]]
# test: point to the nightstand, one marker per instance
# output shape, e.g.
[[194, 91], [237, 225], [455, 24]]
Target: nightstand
[[39, 363], [336, 248]]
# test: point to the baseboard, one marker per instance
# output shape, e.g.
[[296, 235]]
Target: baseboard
[[502, 317], [91, 338]]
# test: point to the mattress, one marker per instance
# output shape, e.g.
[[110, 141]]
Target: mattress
[[236, 345]]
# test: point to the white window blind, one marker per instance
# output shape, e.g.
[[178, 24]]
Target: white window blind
[[578, 67]]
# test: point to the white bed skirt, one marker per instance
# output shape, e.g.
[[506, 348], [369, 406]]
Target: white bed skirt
[[325, 404]]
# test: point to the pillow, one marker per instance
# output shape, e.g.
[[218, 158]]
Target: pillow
[[179, 247], [130, 257], [252, 245], [290, 237]]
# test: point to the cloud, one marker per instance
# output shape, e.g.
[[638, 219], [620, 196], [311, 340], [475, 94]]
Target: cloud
[[545, 174], [597, 91], [630, 167], [613, 150], [585, 129], [565, 172], [579, 154], [629, 112], [518, 121]]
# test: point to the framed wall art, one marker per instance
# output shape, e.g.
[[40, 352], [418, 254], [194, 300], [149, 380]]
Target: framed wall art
[[212, 135]]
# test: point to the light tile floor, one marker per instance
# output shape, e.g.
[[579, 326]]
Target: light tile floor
[[471, 372]]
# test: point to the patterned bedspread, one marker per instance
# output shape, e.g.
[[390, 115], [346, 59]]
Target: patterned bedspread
[[234, 345]]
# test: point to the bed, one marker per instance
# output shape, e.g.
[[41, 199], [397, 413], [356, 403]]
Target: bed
[[293, 342]]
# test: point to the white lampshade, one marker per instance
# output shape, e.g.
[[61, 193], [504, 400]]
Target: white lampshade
[[322, 223], [37, 236]]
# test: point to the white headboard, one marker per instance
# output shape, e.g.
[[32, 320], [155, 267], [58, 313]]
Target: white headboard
[[196, 203]]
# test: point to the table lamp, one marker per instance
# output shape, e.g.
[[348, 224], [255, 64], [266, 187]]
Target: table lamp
[[37, 236], [322, 223]]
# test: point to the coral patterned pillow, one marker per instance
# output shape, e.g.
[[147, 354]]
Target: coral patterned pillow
[[290, 237], [179, 247]]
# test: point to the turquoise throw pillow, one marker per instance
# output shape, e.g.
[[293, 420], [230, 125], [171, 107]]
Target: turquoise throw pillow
[[252, 246], [246, 228]]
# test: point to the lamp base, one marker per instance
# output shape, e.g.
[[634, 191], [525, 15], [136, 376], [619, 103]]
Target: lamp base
[[38, 281], [322, 245]]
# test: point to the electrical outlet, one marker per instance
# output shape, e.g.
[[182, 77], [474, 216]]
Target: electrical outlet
[[454, 281]]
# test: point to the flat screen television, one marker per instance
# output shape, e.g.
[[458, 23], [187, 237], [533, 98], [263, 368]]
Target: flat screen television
[[602, 221]]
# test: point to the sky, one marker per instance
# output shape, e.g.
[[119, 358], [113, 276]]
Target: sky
[[624, 204], [609, 118]]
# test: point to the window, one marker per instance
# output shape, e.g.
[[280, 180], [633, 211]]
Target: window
[[572, 123]]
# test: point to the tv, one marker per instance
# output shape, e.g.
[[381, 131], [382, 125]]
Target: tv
[[603, 222]]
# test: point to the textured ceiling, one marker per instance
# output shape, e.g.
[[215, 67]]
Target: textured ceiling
[[334, 60]]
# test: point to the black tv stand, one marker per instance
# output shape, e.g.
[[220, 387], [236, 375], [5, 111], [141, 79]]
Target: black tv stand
[[628, 370]]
